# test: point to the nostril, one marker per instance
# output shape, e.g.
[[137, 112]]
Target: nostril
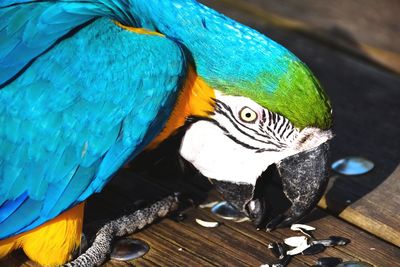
[[304, 138]]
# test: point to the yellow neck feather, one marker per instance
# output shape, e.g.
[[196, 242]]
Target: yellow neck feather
[[138, 30], [195, 99]]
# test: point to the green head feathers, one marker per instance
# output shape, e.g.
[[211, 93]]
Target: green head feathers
[[298, 96]]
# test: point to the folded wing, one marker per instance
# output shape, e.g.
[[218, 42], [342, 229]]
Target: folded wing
[[77, 102]]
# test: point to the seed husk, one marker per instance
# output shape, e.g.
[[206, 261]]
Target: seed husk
[[298, 250], [207, 224], [278, 249], [295, 241], [299, 227], [332, 241], [208, 205], [314, 249], [352, 166], [129, 249], [339, 241], [226, 211], [329, 261]]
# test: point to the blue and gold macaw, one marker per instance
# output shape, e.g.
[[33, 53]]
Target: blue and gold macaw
[[87, 85]]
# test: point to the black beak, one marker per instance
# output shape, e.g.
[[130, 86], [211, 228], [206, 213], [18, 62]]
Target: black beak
[[304, 179]]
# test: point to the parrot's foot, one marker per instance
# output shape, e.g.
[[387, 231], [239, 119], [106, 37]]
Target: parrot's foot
[[125, 225]]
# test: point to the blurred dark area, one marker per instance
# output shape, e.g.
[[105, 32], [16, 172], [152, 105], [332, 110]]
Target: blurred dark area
[[374, 23], [366, 29]]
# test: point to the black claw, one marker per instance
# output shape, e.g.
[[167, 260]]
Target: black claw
[[184, 200], [273, 224], [178, 217]]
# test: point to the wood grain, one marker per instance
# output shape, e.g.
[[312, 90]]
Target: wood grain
[[231, 244], [378, 212]]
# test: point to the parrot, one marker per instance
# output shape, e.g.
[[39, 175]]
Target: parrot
[[85, 86]]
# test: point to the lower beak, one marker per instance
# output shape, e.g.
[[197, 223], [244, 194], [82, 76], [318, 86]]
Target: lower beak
[[304, 179]]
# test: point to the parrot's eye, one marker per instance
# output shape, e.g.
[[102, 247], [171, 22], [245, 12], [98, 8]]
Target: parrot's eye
[[248, 115]]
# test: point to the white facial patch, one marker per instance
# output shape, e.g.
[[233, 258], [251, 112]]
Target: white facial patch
[[217, 156]]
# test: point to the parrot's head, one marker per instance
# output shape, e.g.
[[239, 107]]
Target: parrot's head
[[250, 104], [251, 127]]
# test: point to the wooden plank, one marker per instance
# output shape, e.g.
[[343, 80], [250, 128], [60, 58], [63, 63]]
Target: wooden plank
[[168, 253], [126, 189], [357, 40], [220, 247], [360, 248], [201, 243], [139, 262], [382, 254], [373, 212], [364, 246], [231, 244]]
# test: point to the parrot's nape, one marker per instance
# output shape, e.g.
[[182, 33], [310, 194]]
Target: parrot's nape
[[85, 86]]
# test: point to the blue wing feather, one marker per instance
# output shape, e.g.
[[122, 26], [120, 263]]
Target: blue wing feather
[[76, 114], [10, 206], [29, 29]]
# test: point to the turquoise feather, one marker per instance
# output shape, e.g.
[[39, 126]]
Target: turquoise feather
[[76, 114]]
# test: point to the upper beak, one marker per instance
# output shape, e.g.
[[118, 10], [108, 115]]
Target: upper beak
[[304, 179]]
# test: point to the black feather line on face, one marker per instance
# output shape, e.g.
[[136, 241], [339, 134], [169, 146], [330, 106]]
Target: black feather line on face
[[280, 128], [235, 122], [243, 132], [269, 133], [263, 119], [194, 119]]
